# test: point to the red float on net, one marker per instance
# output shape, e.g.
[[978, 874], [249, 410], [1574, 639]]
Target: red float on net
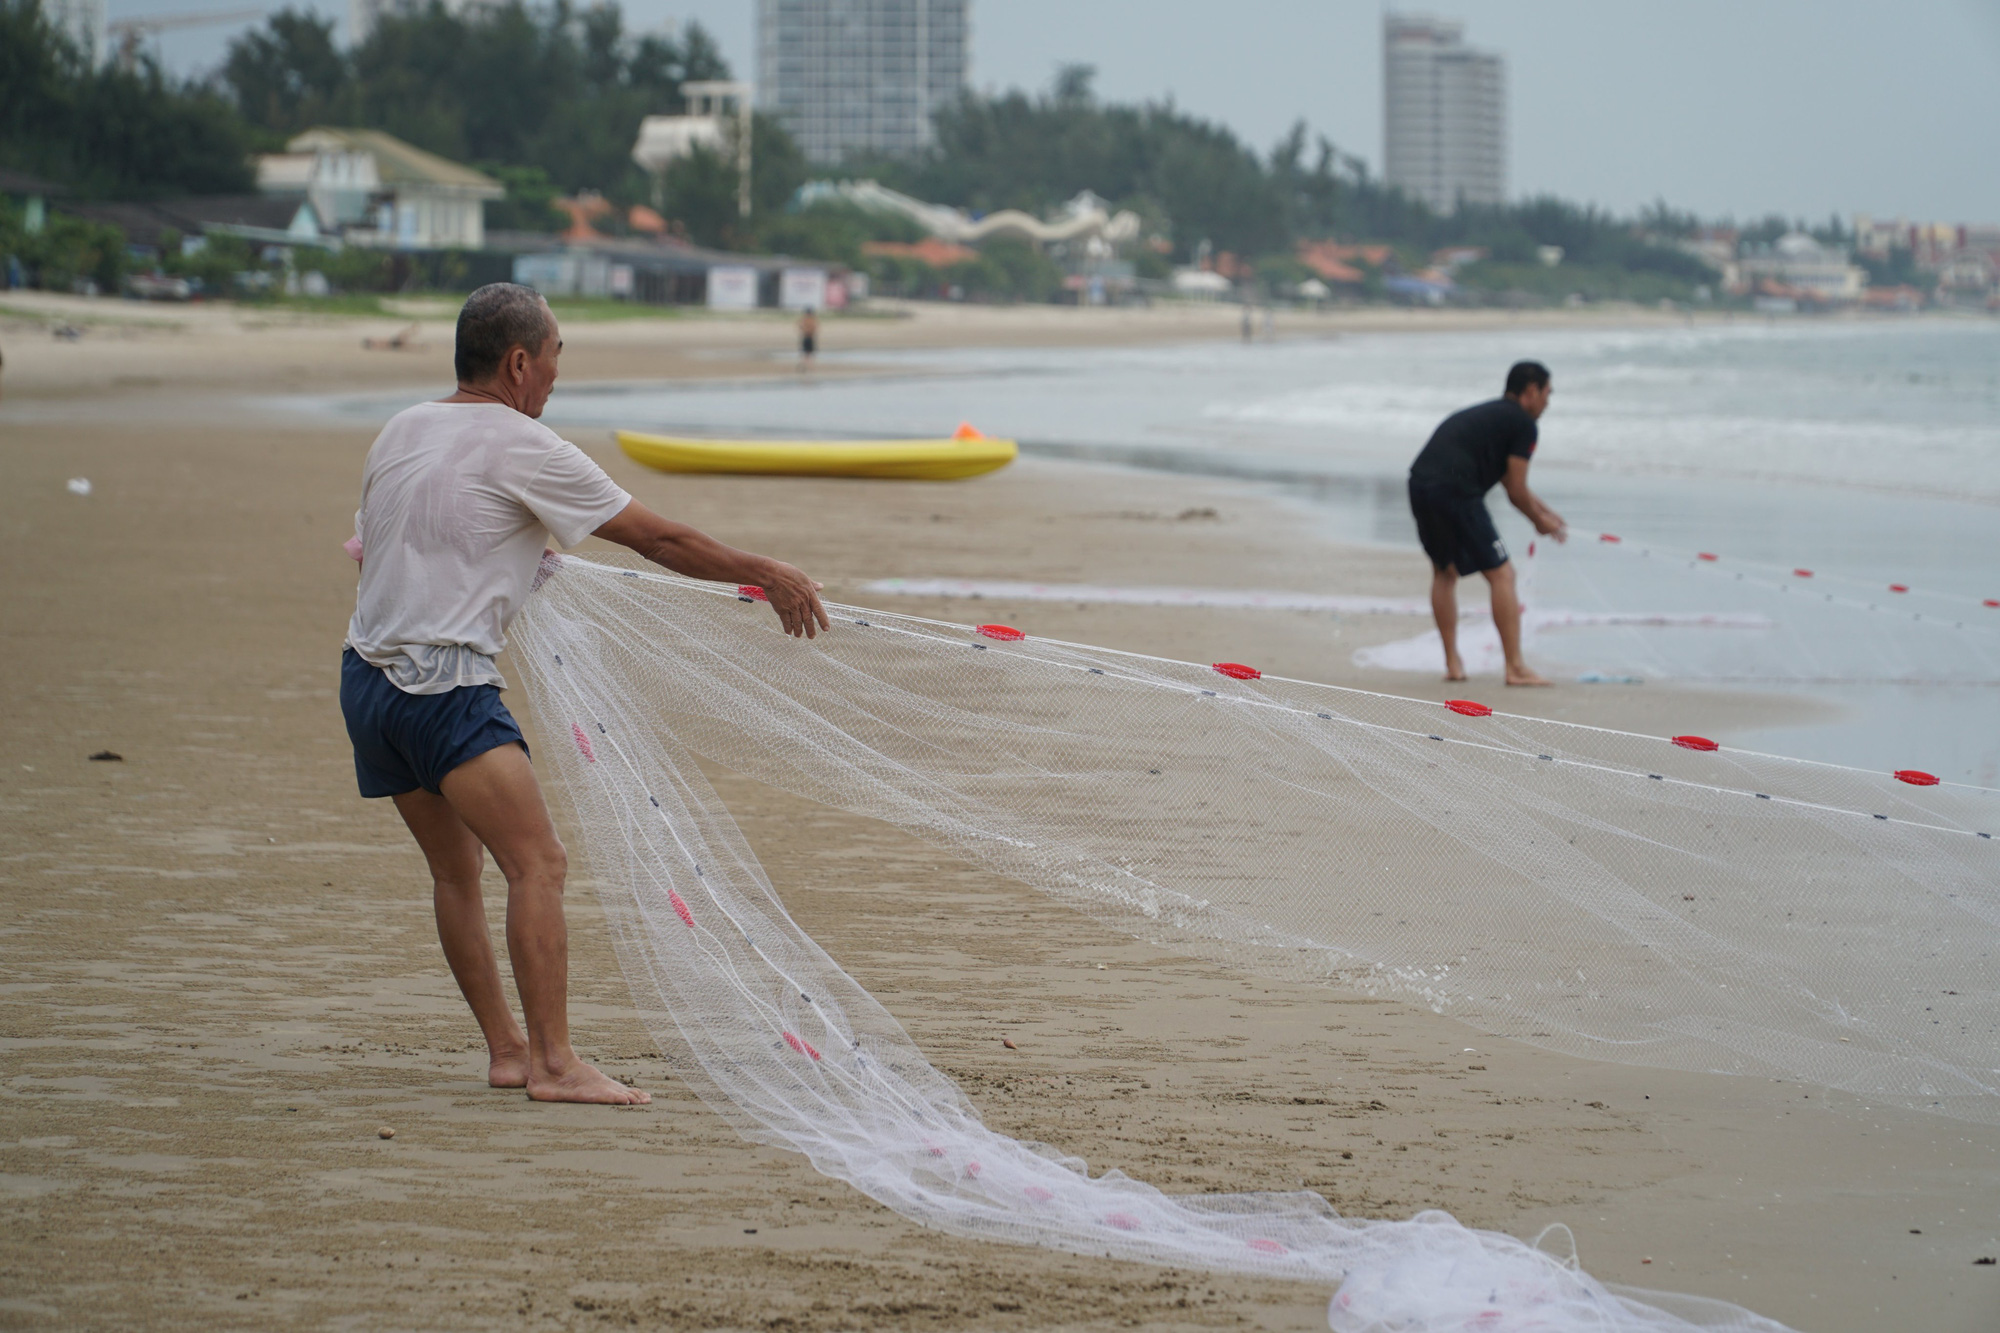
[[1802, 573], [1899, 587], [1469, 707], [1696, 743], [1237, 671], [1609, 537], [1992, 601], [753, 592], [1004, 633], [1916, 777], [801, 1045], [1706, 555], [681, 909], [582, 742]]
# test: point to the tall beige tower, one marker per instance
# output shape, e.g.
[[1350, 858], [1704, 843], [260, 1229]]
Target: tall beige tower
[[859, 76], [1444, 114]]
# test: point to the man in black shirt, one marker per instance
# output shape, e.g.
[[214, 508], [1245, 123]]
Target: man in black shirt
[[1466, 455]]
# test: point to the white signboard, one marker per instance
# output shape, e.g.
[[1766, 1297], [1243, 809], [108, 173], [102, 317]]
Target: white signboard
[[802, 289], [732, 288]]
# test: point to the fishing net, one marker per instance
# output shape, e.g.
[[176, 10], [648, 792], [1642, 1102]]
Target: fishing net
[[1623, 605], [1614, 896]]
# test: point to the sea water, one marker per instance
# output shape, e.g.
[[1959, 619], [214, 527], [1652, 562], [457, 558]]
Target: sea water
[[1864, 450]]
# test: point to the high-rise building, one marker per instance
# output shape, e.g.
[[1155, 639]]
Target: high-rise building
[[859, 76], [1444, 114]]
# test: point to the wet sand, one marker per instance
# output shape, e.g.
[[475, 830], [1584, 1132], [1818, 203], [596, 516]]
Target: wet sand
[[219, 979]]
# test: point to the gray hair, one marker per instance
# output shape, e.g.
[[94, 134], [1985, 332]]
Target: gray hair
[[496, 319]]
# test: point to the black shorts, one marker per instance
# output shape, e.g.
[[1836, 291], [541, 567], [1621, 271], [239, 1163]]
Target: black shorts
[[1455, 529], [806, 345]]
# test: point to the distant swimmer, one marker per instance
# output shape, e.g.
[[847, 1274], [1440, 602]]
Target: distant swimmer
[[808, 338], [1466, 455]]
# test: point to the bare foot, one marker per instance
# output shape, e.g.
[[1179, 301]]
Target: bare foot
[[508, 1070], [1454, 668], [583, 1083], [1523, 676]]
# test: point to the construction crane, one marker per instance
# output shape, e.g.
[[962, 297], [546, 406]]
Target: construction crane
[[130, 34]]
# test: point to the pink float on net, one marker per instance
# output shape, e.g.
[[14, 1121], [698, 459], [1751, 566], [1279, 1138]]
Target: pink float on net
[[1004, 633], [1237, 671], [583, 743], [801, 1045], [1468, 707], [681, 909]]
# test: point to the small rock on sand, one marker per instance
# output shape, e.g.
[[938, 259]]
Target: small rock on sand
[[385, 1132], [1008, 1042]]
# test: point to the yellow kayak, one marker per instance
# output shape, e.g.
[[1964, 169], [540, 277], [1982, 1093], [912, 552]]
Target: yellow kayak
[[966, 454]]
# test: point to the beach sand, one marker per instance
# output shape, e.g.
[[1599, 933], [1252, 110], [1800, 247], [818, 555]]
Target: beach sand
[[220, 977]]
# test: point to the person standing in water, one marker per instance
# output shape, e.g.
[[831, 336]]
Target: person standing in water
[[1466, 455], [808, 339]]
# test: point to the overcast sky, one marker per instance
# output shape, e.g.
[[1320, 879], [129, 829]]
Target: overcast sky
[[1741, 107]]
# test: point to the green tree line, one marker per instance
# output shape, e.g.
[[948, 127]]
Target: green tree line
[[549, 97]]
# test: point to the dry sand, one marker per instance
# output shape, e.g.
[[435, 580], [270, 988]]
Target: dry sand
[[218, 975]]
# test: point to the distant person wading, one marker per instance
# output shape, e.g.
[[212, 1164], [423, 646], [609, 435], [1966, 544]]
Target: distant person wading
[[458, 500], [1467, 454], [808, 339]]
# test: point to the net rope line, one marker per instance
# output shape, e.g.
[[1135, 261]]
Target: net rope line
[[1786, 579], [870, 1110], [1812, 635], [856, 614]]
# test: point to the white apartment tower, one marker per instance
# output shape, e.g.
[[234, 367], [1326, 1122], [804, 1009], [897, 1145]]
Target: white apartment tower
[[859, 76], [1444, 114]]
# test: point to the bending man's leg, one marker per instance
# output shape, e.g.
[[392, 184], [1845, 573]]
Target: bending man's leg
[[501, 803], [1507, 620], [1444, 607], [456, 858]]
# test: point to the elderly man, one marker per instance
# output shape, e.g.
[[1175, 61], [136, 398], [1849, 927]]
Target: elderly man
[[458, 498]]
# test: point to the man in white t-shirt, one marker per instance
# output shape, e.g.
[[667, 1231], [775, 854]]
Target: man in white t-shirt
[[458, 499]]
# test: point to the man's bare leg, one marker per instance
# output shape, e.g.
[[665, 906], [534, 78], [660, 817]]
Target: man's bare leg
[[498, 799], [1507, 619], [1444, 608], [456, 859]]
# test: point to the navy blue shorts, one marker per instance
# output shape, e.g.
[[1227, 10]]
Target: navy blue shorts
[[406, 741], [1455, 529]]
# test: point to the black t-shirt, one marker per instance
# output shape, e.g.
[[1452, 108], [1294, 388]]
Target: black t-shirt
[[1468, 453]]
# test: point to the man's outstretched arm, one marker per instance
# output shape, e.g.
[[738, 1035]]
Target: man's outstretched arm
[[688, 551], [1546, 520]]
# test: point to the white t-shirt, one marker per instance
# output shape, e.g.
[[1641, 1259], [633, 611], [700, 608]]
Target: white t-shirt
[[457, 502]]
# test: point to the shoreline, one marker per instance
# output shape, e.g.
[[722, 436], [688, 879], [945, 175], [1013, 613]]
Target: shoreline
[[222, 976], [129, 348]]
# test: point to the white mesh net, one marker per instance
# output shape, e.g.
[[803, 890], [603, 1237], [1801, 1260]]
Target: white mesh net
[[1632, 605], [1609, 895]]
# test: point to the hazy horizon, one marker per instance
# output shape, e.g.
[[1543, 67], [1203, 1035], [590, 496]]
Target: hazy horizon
[[1794, 108]]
